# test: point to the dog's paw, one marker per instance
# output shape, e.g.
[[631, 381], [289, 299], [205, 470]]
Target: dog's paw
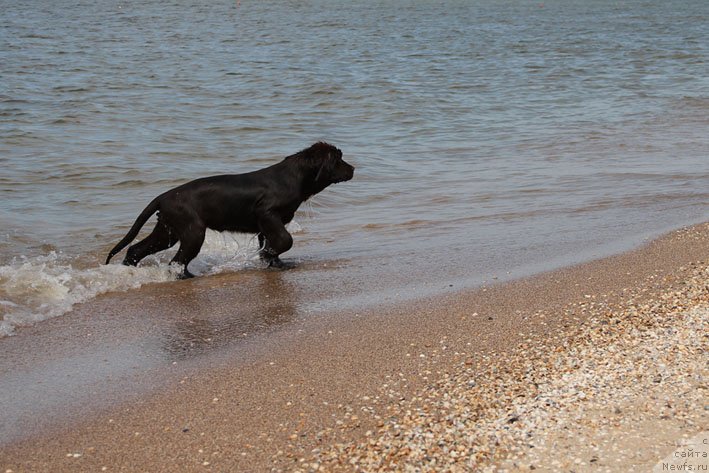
[[278, 264], [185, 275]]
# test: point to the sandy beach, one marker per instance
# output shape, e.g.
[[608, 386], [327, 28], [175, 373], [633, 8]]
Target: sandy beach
[[513, 280], [597, 367]]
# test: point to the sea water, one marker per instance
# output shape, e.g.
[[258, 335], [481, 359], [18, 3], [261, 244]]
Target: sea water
[[489, 136]]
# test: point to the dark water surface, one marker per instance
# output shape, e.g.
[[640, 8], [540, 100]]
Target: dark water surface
[[489, 136]]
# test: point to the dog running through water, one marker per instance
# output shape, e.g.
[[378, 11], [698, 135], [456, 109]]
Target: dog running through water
[[261, 202]]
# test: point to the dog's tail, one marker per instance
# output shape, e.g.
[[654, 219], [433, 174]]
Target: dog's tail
[[133, 232]]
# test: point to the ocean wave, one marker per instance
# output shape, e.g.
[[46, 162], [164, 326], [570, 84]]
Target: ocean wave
[[43, 287], [33, 289]]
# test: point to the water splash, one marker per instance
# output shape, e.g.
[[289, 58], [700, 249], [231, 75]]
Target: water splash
[[42, 287], [33, 289]]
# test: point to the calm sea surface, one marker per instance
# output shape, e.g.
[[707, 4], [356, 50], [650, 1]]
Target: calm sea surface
[[489, 136]]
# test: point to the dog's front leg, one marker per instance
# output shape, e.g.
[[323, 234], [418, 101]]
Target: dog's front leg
[[274, 240], [265, 252]]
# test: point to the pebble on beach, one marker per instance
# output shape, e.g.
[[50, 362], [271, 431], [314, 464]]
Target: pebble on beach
[[554, 403]]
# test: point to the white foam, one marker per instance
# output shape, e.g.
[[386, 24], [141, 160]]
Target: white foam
[[41, 287], [225, 252], [222, 252]]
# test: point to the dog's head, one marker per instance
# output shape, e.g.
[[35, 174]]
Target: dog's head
[[331, 168]]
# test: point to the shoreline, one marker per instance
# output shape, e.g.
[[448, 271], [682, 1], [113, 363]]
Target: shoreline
[[321, 383], [623, 389]]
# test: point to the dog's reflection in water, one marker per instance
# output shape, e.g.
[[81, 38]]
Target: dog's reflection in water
[[261, 300]]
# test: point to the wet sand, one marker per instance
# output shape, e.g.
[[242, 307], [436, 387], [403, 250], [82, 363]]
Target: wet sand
[[191, 387]]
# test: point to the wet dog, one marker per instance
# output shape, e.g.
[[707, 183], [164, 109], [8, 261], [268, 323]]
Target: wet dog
[[261, 202]]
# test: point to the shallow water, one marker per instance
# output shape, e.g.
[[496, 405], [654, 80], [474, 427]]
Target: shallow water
[[494, 137]]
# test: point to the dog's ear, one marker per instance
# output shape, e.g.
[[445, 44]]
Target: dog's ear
[[327, 164], [333, 154], [326, 155], [324, 169]]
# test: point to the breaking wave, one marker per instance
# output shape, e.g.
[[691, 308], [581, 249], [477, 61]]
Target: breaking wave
[[33, 289]]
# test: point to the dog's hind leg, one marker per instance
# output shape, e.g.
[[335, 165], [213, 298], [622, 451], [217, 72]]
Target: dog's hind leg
[[160, 239], [190, 243]]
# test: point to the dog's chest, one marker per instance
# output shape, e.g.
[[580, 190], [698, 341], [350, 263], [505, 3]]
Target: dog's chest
[[287, 215]]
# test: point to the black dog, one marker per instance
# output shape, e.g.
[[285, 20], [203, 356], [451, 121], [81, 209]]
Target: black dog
[[260, 202]]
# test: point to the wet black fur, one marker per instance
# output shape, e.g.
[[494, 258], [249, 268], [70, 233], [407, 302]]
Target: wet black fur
[[262, 202]]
